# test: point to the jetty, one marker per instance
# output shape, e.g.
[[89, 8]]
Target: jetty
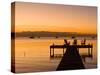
[[71, 59], [65, 47]]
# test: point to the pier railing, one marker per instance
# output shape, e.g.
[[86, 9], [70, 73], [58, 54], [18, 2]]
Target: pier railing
[[65, 47]]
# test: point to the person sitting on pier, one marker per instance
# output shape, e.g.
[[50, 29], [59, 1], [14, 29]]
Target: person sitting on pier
[[75, 42], [66, 42], [83, 42]]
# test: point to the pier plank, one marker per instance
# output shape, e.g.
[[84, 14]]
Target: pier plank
[[71, 60]]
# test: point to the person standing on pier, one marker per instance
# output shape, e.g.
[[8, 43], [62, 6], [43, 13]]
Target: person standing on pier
[[83, 42], [75, 42], [67, 42]]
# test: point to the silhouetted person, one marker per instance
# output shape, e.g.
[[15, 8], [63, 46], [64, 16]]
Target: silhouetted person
[[75, 42], [66, 42], [83, 42]]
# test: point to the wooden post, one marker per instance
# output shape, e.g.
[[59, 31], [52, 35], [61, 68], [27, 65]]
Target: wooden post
[[50, 52], [53, 50], [89, 51], [63, 51], [78, 49]]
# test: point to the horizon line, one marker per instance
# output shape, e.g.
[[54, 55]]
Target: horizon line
[[56, 31]]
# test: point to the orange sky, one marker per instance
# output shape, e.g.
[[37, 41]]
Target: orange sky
[[52, 17]]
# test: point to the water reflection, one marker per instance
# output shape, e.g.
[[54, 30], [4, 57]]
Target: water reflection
[[84, 57], [30, 52]]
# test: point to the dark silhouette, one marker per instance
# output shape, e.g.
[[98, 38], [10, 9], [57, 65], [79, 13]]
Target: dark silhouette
[[66, 42], [12, 35], [71, 60], [32, 37], [83, 42], [75, 42], [73, 35]]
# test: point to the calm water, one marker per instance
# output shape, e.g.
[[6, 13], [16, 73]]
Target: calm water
[[32, 55]]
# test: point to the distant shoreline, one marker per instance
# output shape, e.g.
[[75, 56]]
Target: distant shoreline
[[51, 34], [50, 38]]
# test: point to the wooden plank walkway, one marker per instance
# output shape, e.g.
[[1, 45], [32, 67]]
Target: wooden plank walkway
[[71, 60]]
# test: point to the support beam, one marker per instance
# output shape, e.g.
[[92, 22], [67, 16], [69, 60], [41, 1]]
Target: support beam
[[63, 51], [50, 52], [53, 52], [89, 51]]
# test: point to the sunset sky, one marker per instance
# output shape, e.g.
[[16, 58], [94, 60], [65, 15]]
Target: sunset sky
[[54, 17]]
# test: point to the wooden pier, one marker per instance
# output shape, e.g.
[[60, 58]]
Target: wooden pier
[[65, 47], [71, 59]]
